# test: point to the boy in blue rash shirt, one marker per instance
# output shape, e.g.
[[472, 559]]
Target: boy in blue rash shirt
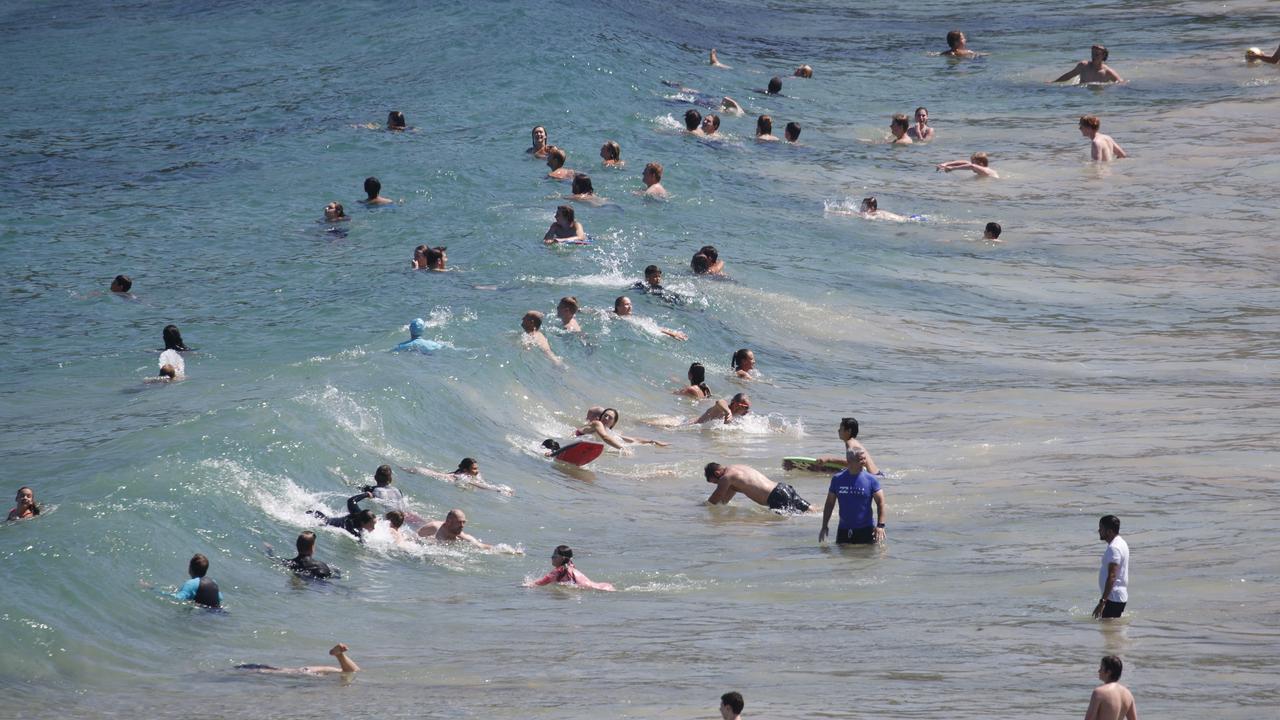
[[855, 488], [199, 588]]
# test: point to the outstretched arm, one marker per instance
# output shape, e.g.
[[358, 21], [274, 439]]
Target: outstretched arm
[[673, 333], [1072, 73], [599, 430], [953, 165], [475, 541], [348, 665]]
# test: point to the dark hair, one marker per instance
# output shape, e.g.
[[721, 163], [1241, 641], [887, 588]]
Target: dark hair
[[434, 255], [569, 300], [701, 264], [617, 300], [338, 207], [651, 270], [900, 120], [793, 130], [306, 542], [124, 282], [710, 251], [395, 517], [710, 469], [1114, 666], [563, 551], [555, 153], [1105, 52], [953, 38], [994, 229], [465, 463], [775, 85], [535, 316], [582, 184], [395, 119], [168, 371], [850, 424], [364, 517], [925, 109], [615, 150], [382, 475], [617, 416], [372, 186], [692, 119], [567, 210], [734, 701], [35, 509], [1110, 523], [173, 338], [656, 168], [198, 566], [698, 377], [738, 357], [764, 125], [871, 202]]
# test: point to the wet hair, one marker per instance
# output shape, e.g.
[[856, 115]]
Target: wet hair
[[714, 120], [710, 470], [569, 300], [775, 85], [902, 121], [804, 71], [372, 186], [692, 119], [124, 282], [740, 398], [656, 168], [1114, 667], [1110, 523], [652, 270], [198, 566], [869, 203], [739, 356], [563, 551], [698, 377], [953, 39], [980, 158], [364, 517], [382, 475], [700, 264], [993, 229], [710, 251], [35, 509], [850, 424], [618, 301], [792, 131], [1091, 121], [173, 338], [168, 371], [613, 150], [582, 184], [420, 251], [1105, 54], [538, 127], [734, 701], [556, 156], [617, 416], [764, 125], [306, 542], [395, 119], [925, 109], [568, 212], [395, 517], [535, 316], [434, 256], [465, 464], [337, 206]]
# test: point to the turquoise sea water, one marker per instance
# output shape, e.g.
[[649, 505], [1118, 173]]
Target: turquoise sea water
[[1116, 353]]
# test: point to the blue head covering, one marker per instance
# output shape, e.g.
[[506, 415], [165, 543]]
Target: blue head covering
[[417, 327]]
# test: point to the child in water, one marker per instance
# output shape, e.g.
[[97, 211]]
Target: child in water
[[564, 572]]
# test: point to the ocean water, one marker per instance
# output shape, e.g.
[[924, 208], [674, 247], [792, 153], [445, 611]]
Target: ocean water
[[1115, 353]]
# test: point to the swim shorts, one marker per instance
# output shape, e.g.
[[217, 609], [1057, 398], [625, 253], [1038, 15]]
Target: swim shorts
[[785, 498], [856, 536], [1113, 609]]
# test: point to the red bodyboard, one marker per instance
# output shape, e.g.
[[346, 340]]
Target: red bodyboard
[[579, 453]]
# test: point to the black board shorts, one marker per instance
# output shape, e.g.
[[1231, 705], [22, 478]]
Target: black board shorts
[[785, 498], [1113, 609], [856, 536]]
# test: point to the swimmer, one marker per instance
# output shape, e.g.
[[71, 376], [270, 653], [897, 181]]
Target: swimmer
[[921, 132], [792, 132], [395, 518], [168, 373], [731, 704], [304, 563], [173, 339], [737, 406], [611, 154], [26, 506], [121, 285], [697, 387], [652, 283], [540, 147], [871, 211], [373, 188], [700, 264], [715, 61], [652, 178], [978, 162], [468, 473], [395, 121], [775, 87], [555, 160], [356, 521], [856, 458], [333, 212], [1093, 70], [899, 126], [199, 588], [804, 71], [731, 106], [1111, 700], [692, 122], [1273, 58], [717, 265], [992, 232], [957, 46], [531, 324], [565, 227], [733, 479], [564, 572], [622, 308], [436, 258], [382, 491], [450, 530], [416, 343], [566, 313], [744, 364], [710, 125], [764, 129], [583, 191], [1103, 148], [602, 420], [346, 665]]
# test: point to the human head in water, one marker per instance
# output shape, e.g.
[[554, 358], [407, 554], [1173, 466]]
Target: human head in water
[[198, 566], [468, 466], [565, 216], [372, 187], [556, 158], [710, 124], [121, 284], [435, 257], [562, 555], [173, 339], [743, 359], [775, 85], [582, 184], [692, 119], [26, 504], [804, 71], [792, 131], [382, 476], [306, 543], [869, 205], [698, 376], [567, 308], [701, 264], [531, 322], [366, 519], [622, 306], [334, 212], [653, 275], [417, 327], [611, 151], [740, 404], [764, 125], [395, 120]]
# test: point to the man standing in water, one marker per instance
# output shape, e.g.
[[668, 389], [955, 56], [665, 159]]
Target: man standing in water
[[733, 479], [1103, 148], [1094, 70], [1111, 700], [1113, 576], [731, 705]]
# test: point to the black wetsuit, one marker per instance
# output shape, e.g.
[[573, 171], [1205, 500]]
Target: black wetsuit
[[346, 522], [207, 594], [310, 567]]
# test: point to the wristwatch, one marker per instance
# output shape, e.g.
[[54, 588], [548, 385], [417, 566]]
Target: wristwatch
[[880, 525]]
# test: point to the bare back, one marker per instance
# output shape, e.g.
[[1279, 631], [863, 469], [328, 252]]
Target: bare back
[[1111, 701], [750, 482]]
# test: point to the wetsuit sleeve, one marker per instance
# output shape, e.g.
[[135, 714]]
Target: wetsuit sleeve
[[188, 590], [353, 503]]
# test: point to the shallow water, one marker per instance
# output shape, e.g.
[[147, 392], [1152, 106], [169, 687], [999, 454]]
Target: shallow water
[[1116, 353]]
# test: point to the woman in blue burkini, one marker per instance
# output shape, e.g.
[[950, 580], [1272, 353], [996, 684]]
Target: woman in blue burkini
[[415, 342]]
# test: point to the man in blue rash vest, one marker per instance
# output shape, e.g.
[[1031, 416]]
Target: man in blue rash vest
[[415, 342], [855, 488], [199, 588]]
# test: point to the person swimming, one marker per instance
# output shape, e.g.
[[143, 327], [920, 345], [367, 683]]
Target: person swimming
[[467, 474], [791, 133], [356, 521], [622, 308], [565, 227], [692, 122], [764, 129], [173, 339], [121, 285], [744, 364], [200, 589], [738, 406], [416, 343], [583, 191], [532, 336], [652, 178], [899, 126], [697, 387], [871, 211], [333, 212], [979, 163], [611, 154], [710, 125], [921, 132], [540, 147], [395, 121], [555, 160], [566, 312], [564, 573], [774, 88], [346, 665], [373, 191], [26, 506], [804, 71], [304, 563]]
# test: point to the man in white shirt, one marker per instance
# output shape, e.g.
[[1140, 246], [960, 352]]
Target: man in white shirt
[[1113, 576]]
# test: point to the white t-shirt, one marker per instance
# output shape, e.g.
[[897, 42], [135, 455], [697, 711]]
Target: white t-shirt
[[390, 497], [1118, 553]]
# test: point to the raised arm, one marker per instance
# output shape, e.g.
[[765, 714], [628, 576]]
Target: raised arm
[[1072, 73], [347, 665], [826, 515], [353, 502]]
